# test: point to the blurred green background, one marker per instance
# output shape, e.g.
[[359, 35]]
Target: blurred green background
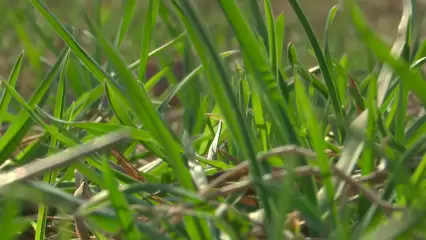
[[22, 29]]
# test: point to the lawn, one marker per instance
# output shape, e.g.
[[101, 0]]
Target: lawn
[[220, 119]]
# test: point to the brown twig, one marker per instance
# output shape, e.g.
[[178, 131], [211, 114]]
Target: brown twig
[[311, 171], [131, 171], [128, 168], [242, 168], [355, 184], [367, 192]]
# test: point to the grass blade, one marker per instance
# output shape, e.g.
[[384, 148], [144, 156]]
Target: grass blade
[[129, 9], [324, 66], [13, 79], [148, 28], [21, 125], [412, 79], [51, 176]]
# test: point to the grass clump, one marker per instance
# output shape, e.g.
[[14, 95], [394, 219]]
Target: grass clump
[[259, 146]]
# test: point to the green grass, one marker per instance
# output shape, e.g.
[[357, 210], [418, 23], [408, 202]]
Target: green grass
[[265, 146]]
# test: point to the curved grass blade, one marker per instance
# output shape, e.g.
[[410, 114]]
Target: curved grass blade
[[412, 79], [185, 81], [126, 20], [17, 130], [263, 82], [141, 105], [148, 28], [318, 85], [220, 86], [67, 139], [325, 69], [330, 19], [34, 150], [416, 130], [82, 55], [139, 100], [418, 64], [259, 23], [272, 40], [84, 102], [154, 52], [13, 79], [279, 36], [120, 111]]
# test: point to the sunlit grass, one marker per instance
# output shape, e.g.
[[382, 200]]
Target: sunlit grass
[[261, 146]]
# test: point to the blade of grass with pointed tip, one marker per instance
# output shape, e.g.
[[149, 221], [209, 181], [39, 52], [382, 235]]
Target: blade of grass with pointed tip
[[120, 111], [190, 95], [139, 100], [264, 83], [126, 20], [342, 79], [415, 131], [148, 28], [17, 130], [401, 112], [150, 83], [13, 79], [418, 64], [82, 55], [84, 102], [421, 51], [185, 81], [31, 111], [272, 41], [284, 125], [78, 82], [154, 52], [32, 151], [259, 22], [144, 110], [330, 19], [221, 89], [67, 138], [279, 32], [325, 69], [317, 83]]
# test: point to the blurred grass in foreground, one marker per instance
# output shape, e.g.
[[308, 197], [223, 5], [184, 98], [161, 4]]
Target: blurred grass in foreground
[[273, 139]]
